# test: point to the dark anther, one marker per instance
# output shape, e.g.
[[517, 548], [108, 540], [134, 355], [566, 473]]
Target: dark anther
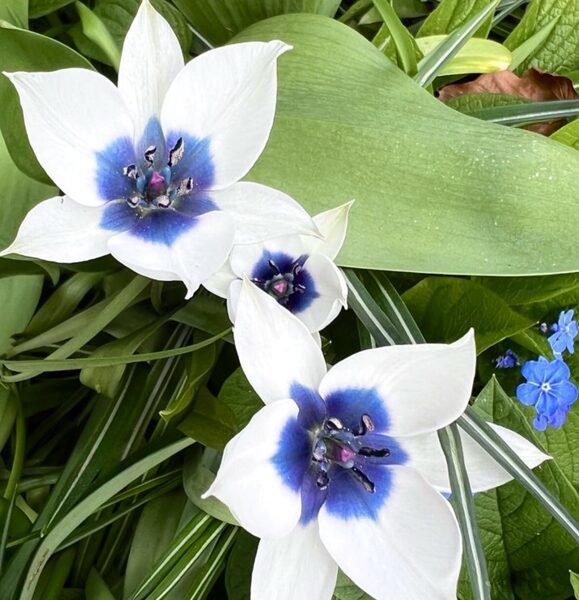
[[150, 154], [176, 154], [322, 480], [375, 452], [274, 267], [368, 485], [130, 171], [334, 424], [365, 426], [185, 186]]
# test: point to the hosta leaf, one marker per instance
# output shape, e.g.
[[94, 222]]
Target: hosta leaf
[[436, 191], [559, 52]]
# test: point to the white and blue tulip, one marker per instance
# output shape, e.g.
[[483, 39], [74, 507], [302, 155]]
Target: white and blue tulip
[[298, 271], [343, 468], [150, 169]]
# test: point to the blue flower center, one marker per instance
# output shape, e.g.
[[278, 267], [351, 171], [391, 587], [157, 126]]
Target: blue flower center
[[156, 187], [286, 279], [335, 445]]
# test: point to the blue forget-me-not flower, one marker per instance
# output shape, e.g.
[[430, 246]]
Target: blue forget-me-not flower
[[508, 360], [150, 169], [564, 333], [343, 468], [547, 388]]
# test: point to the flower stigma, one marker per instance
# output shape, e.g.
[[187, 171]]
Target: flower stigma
[[283, 283], [154, 188], [335, 446]]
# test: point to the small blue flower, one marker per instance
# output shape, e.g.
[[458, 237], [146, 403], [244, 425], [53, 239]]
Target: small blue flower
[[564, 335], [508, 360], [549, 389]]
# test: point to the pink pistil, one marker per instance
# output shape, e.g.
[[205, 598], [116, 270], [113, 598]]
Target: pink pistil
[[156, 183]]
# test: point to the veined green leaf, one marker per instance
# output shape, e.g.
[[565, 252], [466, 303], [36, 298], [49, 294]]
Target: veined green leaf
[[559, 52], [528, 47], [476, 56], [568, 135], [420, 172], [539, 567], [446, 307], [41, 8]]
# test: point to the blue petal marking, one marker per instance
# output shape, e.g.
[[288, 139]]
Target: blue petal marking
[[347, 499], [152, 136], [111, 183], [312, 408], [312, 497], [162, 226], [263, 271], [195, 204], [293, 454], [118, 216], [196, 162], [350, 404]]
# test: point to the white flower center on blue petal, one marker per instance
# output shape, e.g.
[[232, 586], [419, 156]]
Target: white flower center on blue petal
[[155, 188], [546, 387], [337, 446]]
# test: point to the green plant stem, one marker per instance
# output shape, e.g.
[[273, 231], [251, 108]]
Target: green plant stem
[[462, 499]]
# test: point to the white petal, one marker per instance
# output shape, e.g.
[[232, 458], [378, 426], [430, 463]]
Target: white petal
[[410, 551], [331, 286], [61, 230], [219, 282], [70, 115], [261, 212], [333, 225], [250, 483], [420, 387], [228, 96], [233, 298], [295, 567], [484, 473], [192, 258], [275, 349], [150, 60]]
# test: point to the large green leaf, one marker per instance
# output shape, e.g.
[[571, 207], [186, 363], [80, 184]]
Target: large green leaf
[[513, 524], [436, 191], [219, 20], [559, 52]]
